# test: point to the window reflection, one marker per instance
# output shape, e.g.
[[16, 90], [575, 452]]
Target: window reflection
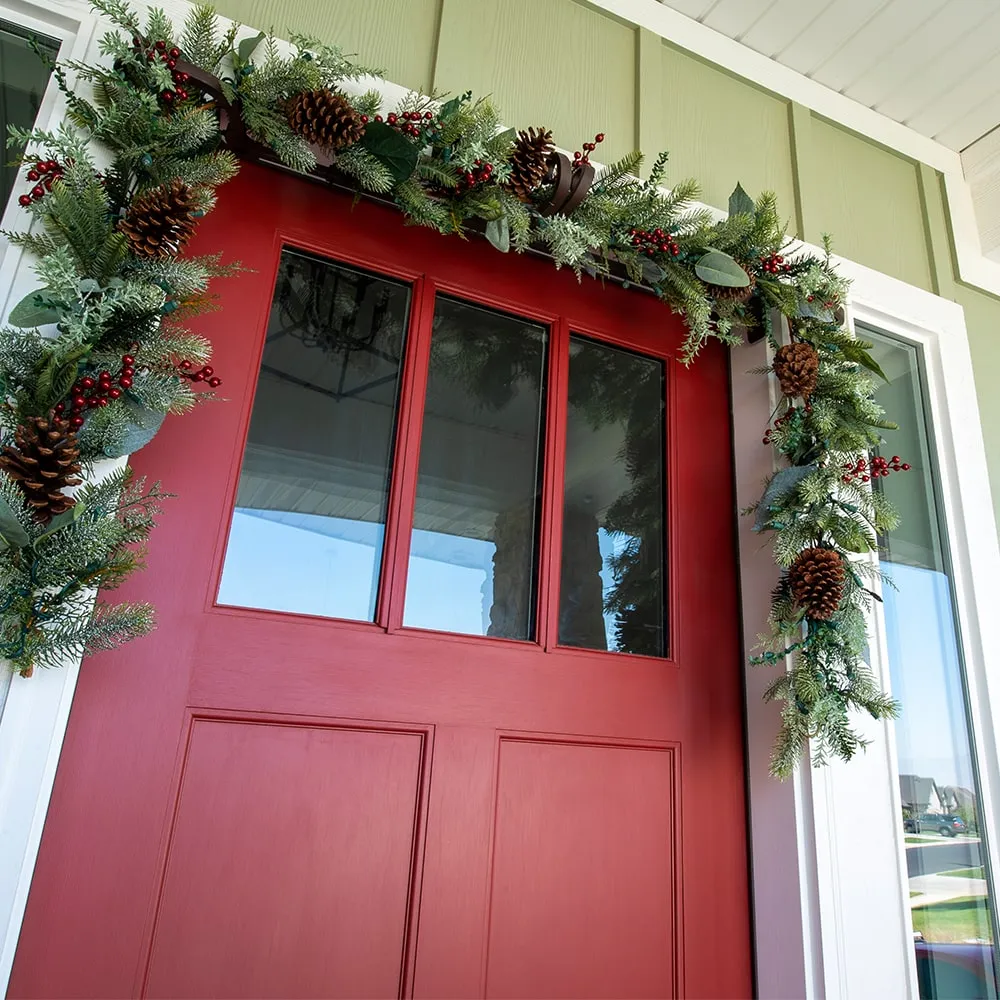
[[310, 513], [612, 590], [473, 552], [949, 886]]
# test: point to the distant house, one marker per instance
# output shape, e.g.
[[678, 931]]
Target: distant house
[[922, 795], [955, 798]]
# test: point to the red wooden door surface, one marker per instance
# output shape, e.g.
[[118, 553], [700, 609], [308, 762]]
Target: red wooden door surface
[[265, 803]]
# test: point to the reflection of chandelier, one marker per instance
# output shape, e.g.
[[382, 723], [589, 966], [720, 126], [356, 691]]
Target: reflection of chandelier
[[341, 312]]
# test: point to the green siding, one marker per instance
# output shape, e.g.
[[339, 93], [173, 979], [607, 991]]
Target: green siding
[[868, 199], [558, 64], [397, 36], [721, 131]]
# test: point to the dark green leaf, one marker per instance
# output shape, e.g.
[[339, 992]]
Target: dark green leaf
[[246, 48], [854, 351], [498, 233], [740, 203], [393, 150], [34, 309], [719, 268], [143, 426], [652, 272], [10, 527], [62, 520], [782, 483]]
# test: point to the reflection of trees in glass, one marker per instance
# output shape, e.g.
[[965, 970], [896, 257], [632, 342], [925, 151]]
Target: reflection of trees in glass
[[607, 387]]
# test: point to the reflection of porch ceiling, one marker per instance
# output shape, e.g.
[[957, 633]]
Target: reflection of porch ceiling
[[932, 65]]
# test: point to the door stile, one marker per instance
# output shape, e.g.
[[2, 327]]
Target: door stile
[[553, 474], [406, 457]]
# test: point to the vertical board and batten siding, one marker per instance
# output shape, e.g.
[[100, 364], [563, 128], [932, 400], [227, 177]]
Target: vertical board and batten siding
[[578, 70]]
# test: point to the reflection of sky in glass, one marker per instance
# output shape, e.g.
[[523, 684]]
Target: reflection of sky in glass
[[307, 563], [924, 665], [610, 546]]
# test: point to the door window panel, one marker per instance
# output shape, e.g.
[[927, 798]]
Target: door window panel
[[612, 594], [949, 879], [307, 532], [474, 548]]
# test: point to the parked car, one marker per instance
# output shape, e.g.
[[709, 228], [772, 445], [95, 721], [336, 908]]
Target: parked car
[[911, 824], [947, 824]]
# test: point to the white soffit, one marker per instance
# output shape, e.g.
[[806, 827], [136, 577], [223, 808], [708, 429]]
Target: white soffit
[[931, 65]]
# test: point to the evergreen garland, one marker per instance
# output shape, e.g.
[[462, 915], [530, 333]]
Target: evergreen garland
[[115, 358]]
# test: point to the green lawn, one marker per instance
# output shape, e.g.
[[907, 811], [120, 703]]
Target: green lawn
[[964, 919], [966, 873]]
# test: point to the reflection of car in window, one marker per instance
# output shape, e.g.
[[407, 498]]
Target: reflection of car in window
[[947, 824], [911, 824]]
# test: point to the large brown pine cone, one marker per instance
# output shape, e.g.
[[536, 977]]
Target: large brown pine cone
[[736, 294], [325, 118], [816, 579], [44, 460], [797, 368], [529, 161], [159, 222]]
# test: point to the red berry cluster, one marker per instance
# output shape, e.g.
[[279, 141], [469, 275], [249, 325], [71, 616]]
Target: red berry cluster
[[204, 374], [42, 175], [775, 264], [878, 468], [481, 173], [650, 243], [90, 392], [158, 52], [588, 147], [411, 123], [769, 433], [826, 305]]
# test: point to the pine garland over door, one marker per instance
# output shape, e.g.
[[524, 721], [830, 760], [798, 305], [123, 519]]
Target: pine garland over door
[[93, 361]]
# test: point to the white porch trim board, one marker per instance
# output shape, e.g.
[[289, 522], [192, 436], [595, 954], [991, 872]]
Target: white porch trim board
[[823, 929]]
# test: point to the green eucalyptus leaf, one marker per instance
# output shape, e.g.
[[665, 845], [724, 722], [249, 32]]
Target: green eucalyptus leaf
[[10, 527], [88, 286], [143, 426], [652, 272], [61, 521], [392, 149], [498, 233], [718, 268], [740, 203], [781, 484], [246, 48], [34, 310]]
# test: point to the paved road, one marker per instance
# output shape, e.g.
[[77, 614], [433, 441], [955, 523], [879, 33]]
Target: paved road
[[942, 857]]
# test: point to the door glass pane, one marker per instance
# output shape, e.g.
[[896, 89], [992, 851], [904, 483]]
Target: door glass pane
[[612, 593], [23, 78], [473, 552], [310, 512], [949, 885]]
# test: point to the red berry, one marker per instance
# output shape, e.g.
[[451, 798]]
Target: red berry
[[33, 175], [160, 45], [215, 382], [128, 360], [114, 393], [428, 116], [87, 383], [182, 94], [24, 201], [175, 53], [206, 371], [599, 137], [676, 250], [125, 383], [37, 192], [364, 119], [197, 377], [185, 364], [392, 119], [577, 155], [102, 401], [76, 422], [168, 96], [93, 402], [48, 183], [905, 467], [60, 408], [865, 479], [378, 118], [79, 402], [172, 64]]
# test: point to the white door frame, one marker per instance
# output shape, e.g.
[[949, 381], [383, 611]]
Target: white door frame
[[821, 928]]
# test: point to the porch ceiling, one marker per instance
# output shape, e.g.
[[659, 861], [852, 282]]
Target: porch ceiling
[[932, 65]]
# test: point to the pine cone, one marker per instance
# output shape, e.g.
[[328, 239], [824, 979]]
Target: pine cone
[[816, 579], [160, 221], [44, 460], [529, 161], [797, 367], [736, 294], [325, 118]]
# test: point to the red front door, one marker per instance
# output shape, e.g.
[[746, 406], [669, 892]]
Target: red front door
[[445, 695]]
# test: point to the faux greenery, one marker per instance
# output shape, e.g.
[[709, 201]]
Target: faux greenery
[[98, 299]]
